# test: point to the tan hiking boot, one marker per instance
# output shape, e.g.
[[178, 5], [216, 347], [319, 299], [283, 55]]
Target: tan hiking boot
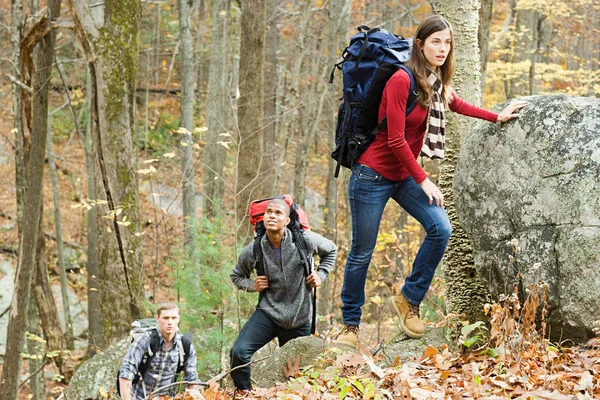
[[410, 322], [348, 336]]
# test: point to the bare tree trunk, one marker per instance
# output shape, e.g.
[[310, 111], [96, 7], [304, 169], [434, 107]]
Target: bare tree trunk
[[186, 121], [35, 348], [95, 328], [250, 109], [294, 94], [339, 15], [112, 52], [483, 36], [524, 50], [271, 145], [64, 285], [465, 292], [31, 211], [15, 37], [217, 106], [46, 305]]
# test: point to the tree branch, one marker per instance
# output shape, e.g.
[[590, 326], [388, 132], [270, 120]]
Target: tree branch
[[207, 383], [40, 369], [19, 83]]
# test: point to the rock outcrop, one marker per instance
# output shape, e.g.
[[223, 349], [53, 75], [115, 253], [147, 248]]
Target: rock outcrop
[[98, 375], [535, 181]]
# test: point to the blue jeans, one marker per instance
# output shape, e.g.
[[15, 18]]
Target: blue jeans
[[368, 193], [258, 331]]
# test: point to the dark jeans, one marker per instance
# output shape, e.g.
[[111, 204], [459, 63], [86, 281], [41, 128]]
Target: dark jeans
[[368, 193], [258, 331]]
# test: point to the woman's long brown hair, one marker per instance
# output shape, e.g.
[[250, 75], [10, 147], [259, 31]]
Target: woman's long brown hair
[[418, 63]]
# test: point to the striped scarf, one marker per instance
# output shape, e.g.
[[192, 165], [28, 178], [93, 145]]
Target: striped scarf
[[433, 146]]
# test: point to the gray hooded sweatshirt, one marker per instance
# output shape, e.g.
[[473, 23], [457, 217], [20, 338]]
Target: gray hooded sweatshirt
[[287, 300]]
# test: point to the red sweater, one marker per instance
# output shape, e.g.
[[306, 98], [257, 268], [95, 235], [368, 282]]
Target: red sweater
[[393, 154]]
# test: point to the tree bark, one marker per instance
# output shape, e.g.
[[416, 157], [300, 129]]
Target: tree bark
[[186, 121], [250, 109], [271, 145], [483, 36], [15, 37], [62, 270], [112, 53], [524, 50], [35, 348], [95, 328], [31, 211], [217, 106], [47, 311], [465, 292], [339, 15]]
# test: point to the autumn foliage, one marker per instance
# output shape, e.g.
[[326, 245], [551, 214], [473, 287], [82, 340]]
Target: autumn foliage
[[510, 358]]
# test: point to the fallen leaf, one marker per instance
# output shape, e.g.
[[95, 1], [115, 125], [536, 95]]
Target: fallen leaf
[[430, 352], [292, 370], [419, 393], [374, 368], [585, 382]]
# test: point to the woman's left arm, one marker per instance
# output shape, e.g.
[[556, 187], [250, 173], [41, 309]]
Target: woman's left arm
[[463, 107]]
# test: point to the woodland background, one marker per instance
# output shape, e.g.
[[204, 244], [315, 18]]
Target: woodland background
[[129, 153]]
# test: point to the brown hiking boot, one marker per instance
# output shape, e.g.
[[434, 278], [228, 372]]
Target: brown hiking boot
[[348, 336], [410, 322]]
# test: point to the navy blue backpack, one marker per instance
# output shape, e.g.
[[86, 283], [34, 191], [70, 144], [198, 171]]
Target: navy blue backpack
[[370, 60]]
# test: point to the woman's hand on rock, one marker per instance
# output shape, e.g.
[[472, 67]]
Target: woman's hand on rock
[[509, 112]]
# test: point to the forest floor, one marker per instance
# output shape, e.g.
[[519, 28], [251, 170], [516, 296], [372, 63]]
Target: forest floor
[[510, 360]]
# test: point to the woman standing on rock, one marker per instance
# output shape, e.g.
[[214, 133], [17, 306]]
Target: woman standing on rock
[[388, 169]]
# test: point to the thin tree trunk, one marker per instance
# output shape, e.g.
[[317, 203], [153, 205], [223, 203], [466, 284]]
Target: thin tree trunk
[[339, 14], [309, 130], [185, 122], [64, 284], [112, 52], [15, 37], [483, 36], [524, 50], [95, 328], [31, 212], [270, 144], [36, 349], [217, 106], [295, 99], [465, 292], [250, 109], [46, 305]]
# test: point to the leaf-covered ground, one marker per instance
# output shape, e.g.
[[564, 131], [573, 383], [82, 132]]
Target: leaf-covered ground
[[507, 359]]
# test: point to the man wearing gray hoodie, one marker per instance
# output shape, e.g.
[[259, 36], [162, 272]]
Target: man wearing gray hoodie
[[284, 307]]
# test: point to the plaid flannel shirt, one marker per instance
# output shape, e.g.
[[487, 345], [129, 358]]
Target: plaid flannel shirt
[[162, 368]]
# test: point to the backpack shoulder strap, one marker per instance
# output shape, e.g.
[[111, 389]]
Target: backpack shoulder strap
[[153, 348], [300, 242], [258, 256], [411, 101], [186, 345]]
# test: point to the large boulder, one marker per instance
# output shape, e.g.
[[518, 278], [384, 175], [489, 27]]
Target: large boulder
[[269, 372], [528, 195], [98, 375]]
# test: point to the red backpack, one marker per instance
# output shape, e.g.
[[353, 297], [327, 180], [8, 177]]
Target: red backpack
[[297, 225]]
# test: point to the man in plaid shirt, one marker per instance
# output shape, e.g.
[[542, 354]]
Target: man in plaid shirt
[[162, 366]]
